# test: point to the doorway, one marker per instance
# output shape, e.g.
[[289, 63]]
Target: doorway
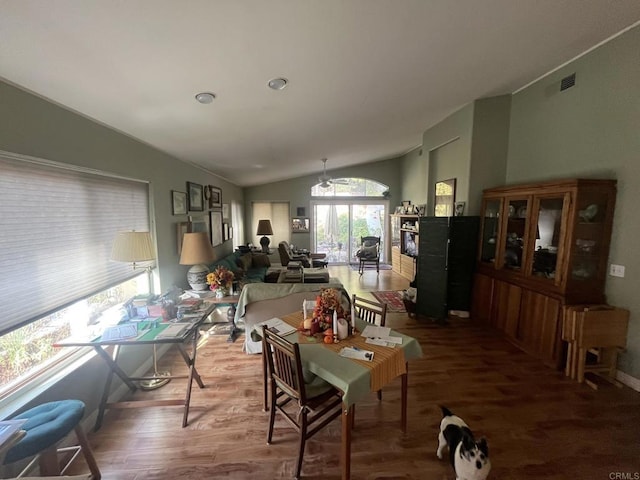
[[338, 226]]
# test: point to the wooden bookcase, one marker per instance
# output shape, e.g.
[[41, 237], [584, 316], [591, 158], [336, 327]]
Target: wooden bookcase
[[542, 246], [404, 244]]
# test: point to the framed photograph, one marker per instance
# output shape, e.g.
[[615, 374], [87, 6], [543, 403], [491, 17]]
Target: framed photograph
[[301, 211], [460, 209], [216, 227], [194, 194], [181, 229], [199, 223], [225, 232], [230, 232], [178, 202], [226, 211], [399, 210], [422, 210], [445, 198], [299, 225], [214, 195]]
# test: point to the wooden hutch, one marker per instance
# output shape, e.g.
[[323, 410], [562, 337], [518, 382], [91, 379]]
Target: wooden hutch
[[404, 244], [542, 246]]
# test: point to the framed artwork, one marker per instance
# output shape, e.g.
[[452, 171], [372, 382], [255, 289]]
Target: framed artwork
[[199, 223], [225, 211], [178, 202], [445, 198], [216, 227], [181, 229], [194, 195], [225, 232], [422, 210], [299, 225], [301, 211], [459, 209], [214, 195], [230, 232]]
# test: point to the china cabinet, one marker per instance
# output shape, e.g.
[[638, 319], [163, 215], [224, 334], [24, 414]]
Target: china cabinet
[[404, 244], [542, 246]]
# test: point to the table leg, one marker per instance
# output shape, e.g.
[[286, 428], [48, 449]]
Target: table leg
[[234, 330], [403, 415], [113, 368], [193, 373], [345, 454]]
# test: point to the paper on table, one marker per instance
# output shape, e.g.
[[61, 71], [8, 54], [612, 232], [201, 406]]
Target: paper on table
[[173, 330], [276, 325], [373, 331], [380, 342], [356, 353]]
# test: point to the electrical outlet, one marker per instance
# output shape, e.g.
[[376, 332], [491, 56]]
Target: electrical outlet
[[616, 270]]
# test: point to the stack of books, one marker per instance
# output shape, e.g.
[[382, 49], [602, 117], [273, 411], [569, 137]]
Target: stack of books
[[293, 273]]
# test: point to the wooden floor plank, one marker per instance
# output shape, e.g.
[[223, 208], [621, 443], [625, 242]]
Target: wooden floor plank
[[538, 423]]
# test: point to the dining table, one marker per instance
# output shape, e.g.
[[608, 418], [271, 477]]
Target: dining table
[[355, 378]]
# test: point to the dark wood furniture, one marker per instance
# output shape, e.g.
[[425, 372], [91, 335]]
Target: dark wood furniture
[[446, 262], [542, 246], [307, 405], [369, 253], [404, 244]]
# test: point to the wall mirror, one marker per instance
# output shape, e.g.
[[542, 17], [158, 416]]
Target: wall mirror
[[445, 198]]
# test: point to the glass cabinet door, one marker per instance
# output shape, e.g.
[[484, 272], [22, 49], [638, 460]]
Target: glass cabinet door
[[548, 235], [395, 231], [516, 233], [490, 234], [586, 261]]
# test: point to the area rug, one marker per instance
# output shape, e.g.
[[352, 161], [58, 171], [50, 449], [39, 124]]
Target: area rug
[[392, 298], [369, 266]]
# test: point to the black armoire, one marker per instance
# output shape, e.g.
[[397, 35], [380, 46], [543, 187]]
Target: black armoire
[[445, 264]]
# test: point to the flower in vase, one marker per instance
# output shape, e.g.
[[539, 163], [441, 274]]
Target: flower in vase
[[326, 303], [220, 278]]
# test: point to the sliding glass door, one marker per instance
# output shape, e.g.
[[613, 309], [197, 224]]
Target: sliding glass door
[[339, 225]]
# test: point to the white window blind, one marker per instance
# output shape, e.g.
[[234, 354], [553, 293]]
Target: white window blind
[[57, 227], [278, 213]]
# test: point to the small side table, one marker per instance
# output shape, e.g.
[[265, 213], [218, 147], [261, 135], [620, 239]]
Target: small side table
[[232, 301]]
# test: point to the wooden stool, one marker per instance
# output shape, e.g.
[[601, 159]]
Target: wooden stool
[[598, 330]]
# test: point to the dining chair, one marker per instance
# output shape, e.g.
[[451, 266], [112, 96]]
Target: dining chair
[[371, 312], [369, 252], [306, 402]]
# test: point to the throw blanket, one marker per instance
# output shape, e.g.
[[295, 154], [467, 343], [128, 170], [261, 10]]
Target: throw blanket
[[254, 292]]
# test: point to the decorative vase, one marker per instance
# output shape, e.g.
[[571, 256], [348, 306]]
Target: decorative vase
[[220, 292]]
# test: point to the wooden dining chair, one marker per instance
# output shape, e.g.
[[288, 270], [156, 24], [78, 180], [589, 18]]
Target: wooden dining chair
[[306, 402], [371, 312]]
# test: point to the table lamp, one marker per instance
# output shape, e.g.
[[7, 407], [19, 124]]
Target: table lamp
[[197, 251], [264, 228]]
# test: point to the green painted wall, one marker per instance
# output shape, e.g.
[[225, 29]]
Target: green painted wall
[[414, 178], [32, 126], [591, 130]]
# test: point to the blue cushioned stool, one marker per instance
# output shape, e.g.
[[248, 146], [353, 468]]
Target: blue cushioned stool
[[46, 425]]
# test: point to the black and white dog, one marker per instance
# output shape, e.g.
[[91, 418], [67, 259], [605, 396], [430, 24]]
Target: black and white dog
[[469, 459]]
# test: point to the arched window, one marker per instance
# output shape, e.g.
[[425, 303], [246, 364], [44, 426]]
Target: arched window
[[349, 187]]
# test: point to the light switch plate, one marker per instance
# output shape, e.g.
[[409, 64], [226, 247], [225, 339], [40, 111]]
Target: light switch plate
[[616, 270]]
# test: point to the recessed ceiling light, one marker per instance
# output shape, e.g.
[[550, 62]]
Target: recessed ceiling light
[[278, 83], [205, 97]]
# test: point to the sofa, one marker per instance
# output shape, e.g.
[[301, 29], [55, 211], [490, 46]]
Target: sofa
[[247, 267], [261, 301]]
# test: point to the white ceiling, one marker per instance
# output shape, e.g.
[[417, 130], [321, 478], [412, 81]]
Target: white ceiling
[[367, 77]]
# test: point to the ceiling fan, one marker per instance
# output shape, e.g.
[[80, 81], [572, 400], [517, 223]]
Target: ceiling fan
[[326, 181]]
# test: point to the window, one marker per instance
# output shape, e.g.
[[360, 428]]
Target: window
[[278, 213], [350, 187], [57, 225]]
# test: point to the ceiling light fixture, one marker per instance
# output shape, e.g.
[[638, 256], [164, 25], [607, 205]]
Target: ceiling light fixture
[[277, 83], [205, 97]]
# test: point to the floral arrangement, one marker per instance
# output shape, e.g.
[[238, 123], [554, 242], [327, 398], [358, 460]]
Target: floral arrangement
[[326, 303], [221, 277]]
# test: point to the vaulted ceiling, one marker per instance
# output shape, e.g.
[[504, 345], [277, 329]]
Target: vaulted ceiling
[[366, 77]]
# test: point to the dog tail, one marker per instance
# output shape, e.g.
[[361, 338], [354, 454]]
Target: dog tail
[[446, 412]]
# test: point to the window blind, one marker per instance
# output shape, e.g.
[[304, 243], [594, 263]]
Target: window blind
[[278, 213], [57, 227]]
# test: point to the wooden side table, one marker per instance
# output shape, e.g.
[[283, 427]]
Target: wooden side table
[[232, 301]]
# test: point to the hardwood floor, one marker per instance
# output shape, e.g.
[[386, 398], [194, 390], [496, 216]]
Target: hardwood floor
[[538, 423]]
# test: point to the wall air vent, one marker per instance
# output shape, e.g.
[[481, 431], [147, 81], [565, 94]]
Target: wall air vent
[[568, 82]]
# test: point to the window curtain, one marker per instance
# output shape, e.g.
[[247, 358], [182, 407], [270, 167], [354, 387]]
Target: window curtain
[[236, 223], [57, 226], [278, 213]]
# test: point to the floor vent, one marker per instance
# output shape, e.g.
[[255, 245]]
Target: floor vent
[[568, 82]]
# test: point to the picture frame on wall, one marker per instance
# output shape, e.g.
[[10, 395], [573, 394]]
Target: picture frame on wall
[[200, 223], [181, 229], [230, 232], [299, 225], [178, 202], [301, 211], [445, 197], [226, 211], [225, 232], [216, 227], [215, 197], [195, 197]]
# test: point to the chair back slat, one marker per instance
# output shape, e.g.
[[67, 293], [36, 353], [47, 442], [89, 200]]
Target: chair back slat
[[285, 365], [370, 311]]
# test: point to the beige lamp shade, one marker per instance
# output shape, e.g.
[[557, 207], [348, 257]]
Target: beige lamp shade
[[197, 251], [133, 247]]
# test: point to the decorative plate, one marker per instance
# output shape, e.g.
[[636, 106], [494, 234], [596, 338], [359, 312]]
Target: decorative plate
[[522, 212]]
